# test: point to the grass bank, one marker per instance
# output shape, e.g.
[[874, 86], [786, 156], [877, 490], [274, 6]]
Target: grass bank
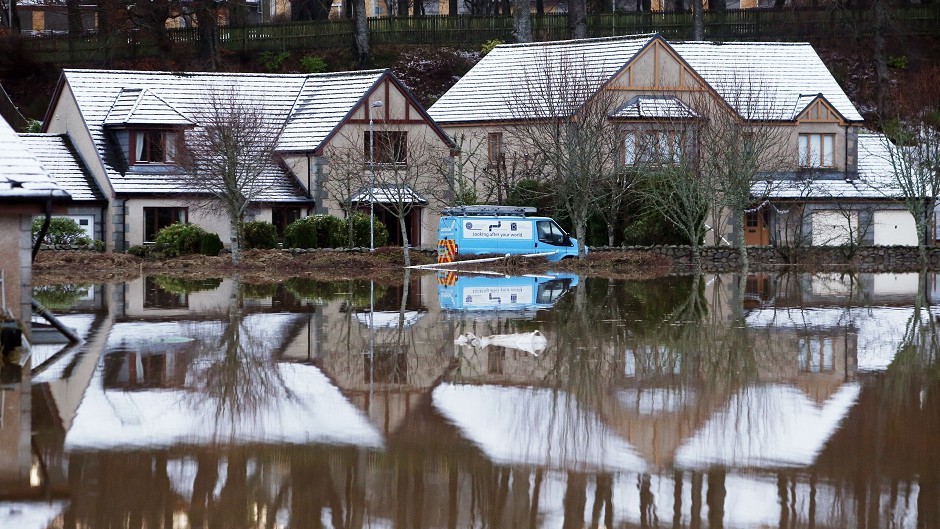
[[266, 266]]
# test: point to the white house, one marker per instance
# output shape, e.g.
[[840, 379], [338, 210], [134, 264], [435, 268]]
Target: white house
[[658, 83], [126, 127]]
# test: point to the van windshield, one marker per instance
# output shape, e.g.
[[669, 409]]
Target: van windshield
[[550, 233]]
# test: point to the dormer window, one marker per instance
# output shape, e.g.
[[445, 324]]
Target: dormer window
[[153, 146], [817, 150]]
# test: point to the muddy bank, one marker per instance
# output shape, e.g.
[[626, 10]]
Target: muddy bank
[[268, 266]]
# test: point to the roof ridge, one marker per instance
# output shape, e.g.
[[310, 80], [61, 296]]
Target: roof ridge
[[741, 43], [225, 74], [637, 36]]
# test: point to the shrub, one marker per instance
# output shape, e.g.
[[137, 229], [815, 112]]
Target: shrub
[[316, 231], [489, 45], [176, 285], [360, 222], [63, 231], [259, 235], [60, 296], [313, 64], [259, 291], [179, 239], [210, 244], [139, 251], [272, 61]]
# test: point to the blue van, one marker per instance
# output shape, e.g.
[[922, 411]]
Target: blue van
[[515, 293], [475, 230]]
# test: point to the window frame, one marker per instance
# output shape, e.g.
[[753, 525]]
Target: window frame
[[494, 148], [182, 211], [806, 141], [398, 138], [644, 153], [170, 145]]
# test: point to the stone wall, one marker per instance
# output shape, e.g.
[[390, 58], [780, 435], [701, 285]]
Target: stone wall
[[862, 258]]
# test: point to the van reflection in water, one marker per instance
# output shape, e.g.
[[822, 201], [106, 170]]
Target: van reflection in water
[[503, 293]]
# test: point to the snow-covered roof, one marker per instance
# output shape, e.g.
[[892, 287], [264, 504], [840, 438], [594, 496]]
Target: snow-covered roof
[[141, 106], [767, 427], [309, 410], [875, 178], [322, 104], [761, 80], [652, 107], [389, 319], [786, 75], [492, 89], [306, 107], [390, 194], [58, 156], [534, 426], [22, 176]]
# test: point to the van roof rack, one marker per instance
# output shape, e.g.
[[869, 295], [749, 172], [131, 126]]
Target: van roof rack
[[465, 211]]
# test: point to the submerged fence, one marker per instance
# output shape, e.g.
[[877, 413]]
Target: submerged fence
[[744, 24]]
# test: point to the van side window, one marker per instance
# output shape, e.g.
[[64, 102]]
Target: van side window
[[550, 233]]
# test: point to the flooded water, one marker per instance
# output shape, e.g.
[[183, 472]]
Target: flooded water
[[456, 402]]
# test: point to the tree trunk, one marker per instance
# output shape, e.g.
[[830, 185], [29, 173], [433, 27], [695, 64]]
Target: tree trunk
[[361, 38], [403, 8], [577, 19], [698, 20], [610, 233], [739, 239], [522, 21], [74, 14], [881, 55], [540, 8], [235, 226], [350, 231], [404, 240], [580, 229], [453, 8], [207, 25]]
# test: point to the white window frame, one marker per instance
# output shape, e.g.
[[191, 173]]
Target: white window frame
[[816, 150]]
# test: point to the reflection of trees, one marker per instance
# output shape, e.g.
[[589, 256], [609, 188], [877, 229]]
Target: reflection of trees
[[232, 371]]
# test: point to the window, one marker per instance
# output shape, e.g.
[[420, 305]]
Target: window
[[391, 147], [550, 233], [153, 146], [653, 147], [494, 147], [817, 150], [817, 354], [156, 219]]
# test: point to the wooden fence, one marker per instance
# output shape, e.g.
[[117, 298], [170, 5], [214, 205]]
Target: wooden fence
[[472, 31]]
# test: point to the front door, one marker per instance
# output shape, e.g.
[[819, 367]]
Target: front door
[[756, 232]]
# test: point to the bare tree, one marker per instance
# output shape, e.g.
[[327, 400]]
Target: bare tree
[[562, 124], [347, 177], [361, 38], [230, 156], [741, 142], [522, 21], [912, 149], [406, 175]]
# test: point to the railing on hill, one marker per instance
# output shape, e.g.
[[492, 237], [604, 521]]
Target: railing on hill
[[744, 24]]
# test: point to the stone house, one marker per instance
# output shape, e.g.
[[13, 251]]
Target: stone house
[[661, 91], [126, 128]]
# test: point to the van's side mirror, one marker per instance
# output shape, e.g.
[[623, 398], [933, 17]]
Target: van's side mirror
[[566, 240]]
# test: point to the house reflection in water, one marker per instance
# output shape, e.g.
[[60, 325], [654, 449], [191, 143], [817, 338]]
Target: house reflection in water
[[669, 403]]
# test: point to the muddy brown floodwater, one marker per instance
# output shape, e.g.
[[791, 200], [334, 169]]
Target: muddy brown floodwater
[[544, 400]]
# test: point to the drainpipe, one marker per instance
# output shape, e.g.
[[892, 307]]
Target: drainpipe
[[44, 229], [42, 311]]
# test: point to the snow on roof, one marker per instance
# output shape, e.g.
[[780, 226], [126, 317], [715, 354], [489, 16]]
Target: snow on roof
[[322, 104], [534, 426], [784, 74], [879, 330], [390, 319], [308, 106], [22, 176], [390, 194], [650, 107], [768, 426], [784, 77], [490, 90], [875, 178], [141, 106], [58, 156], [310, 410], [30, 514]]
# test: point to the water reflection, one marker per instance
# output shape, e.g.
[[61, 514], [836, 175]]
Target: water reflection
[[718, 401]]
